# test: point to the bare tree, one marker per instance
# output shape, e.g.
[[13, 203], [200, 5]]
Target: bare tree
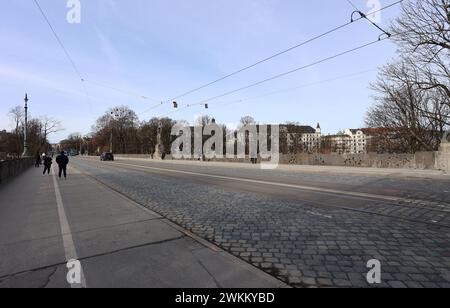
[[123, 124], [413, 94], [203, 120], [49, 126], [411, 118], [17, 116], [423, 35], [247, 120]]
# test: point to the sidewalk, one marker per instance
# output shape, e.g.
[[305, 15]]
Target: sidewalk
[[44, 221]]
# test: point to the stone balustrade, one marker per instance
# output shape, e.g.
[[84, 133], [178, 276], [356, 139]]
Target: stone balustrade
[[12, 168]]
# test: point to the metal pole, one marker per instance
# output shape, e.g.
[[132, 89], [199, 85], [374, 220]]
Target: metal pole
[[111, 133], [111, 141], [25, 133]]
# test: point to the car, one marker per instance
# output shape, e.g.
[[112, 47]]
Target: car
[[107, 156]]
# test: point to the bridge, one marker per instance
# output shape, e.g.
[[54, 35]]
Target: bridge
[[145, 223]]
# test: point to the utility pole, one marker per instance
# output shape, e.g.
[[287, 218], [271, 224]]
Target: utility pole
[[25, 131], [111, 140]]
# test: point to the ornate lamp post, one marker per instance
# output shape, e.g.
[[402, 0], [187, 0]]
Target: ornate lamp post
[[110, 137], [25, 132]]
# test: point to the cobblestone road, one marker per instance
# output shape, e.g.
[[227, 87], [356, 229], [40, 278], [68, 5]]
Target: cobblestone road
[[306, 239]]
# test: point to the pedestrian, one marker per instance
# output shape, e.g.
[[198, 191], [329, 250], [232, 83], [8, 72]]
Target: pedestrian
[[62, 160], [48, 161], [38, 160]]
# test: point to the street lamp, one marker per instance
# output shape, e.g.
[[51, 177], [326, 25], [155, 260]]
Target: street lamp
[[25, 132], [111, 134]]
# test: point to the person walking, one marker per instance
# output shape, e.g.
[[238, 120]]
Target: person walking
[[38, 160], [62, 160], [48, 161]]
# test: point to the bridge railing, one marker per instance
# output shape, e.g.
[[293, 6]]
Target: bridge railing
[[14, 167]]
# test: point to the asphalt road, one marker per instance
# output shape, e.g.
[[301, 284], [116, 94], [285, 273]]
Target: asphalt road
[[305, 228]]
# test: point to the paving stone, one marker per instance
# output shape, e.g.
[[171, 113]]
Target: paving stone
[[413, 284], [342, 283], [274, 233], [309, 281], [325, 282], [397, 284]]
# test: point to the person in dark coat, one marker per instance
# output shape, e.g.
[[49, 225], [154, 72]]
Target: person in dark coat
[[38, 160], [48, 161], [62, 160]]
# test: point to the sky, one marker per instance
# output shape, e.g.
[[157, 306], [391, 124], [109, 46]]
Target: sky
[[162, 48]]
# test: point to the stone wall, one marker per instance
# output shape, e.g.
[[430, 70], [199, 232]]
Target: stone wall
[[421, 160], [138, 156], [12, 168], [417, 161], [443, 157], [426, 160]]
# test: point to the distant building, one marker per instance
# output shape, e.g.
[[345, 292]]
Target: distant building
[[340, 144], [358, 141], [303, 139]]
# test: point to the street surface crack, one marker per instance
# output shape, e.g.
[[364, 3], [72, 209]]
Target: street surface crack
[[133, 247], [49, 278], [207, 271]]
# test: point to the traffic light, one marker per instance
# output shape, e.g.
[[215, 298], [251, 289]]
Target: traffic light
[[175, 105], [206, 106]]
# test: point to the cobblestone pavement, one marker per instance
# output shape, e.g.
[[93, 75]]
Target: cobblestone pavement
[[305, 243]]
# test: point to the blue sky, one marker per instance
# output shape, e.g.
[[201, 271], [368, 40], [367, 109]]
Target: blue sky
[[161, 48]]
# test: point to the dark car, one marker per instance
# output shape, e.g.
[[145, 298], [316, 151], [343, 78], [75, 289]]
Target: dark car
[[107, 157]]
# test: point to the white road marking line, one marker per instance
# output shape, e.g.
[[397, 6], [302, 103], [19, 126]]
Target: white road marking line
[[320, 215], [69, 245], [307, 188]]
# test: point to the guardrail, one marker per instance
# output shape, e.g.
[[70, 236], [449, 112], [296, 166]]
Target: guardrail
[[12, 168]]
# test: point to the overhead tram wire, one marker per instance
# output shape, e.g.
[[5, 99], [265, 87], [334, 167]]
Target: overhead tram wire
[[66, 52], [216, 81], [380, 39], [282, 74], [352, 5], [128, 92], [294, 70], [75, 67], [257, 63], [265, 60], [175, 111], [362, 16], [290, 89], [152, 108]]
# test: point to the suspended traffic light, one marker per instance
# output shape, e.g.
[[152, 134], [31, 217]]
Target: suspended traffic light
[[175, 105], [206, 106]]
